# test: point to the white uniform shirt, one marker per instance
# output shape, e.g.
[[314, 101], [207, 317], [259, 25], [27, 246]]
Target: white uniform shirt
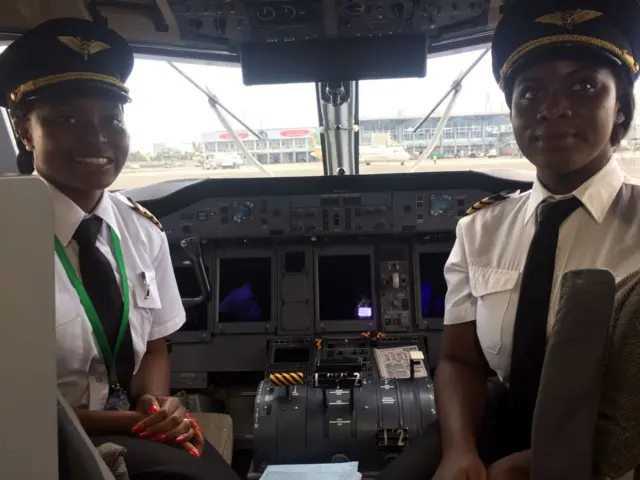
[[484, 270], [82, 374]]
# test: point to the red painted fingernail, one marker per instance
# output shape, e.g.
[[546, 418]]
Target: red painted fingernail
[[154, 409], [159, 438], [180, 439], [145, 434], [194, 453], [137, 428]]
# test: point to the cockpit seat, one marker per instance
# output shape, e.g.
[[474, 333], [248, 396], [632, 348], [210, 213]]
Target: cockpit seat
[[78, 459], [114, 456], [587, 418], [617, 449], [217, 428]]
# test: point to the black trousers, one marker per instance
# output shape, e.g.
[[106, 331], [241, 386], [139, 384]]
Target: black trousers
[[147, 460], [420, 460]]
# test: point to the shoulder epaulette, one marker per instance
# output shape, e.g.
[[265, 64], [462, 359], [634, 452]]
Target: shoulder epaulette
[[492, 200], [145, 213]]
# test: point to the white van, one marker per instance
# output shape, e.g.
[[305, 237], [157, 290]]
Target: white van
[[230, 162]]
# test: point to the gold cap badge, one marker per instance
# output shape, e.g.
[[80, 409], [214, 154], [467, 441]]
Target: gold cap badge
[[83, 47], [570, 18]]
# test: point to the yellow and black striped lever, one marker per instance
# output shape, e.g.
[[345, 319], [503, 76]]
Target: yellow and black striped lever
[[289, 379]]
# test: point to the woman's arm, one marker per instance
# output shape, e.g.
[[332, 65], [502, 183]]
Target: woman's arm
[[168, 421], [153, 377], [514, 467], [460, 388], [460, 384], [154, 374], [108, 423]]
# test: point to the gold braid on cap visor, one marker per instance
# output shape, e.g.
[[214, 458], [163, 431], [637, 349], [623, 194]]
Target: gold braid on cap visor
[[18, 93], [623, 55]]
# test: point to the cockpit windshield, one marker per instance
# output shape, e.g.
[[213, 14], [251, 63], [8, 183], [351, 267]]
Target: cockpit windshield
[[176, 135]]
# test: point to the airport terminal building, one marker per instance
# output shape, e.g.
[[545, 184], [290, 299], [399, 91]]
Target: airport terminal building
[[463, 135]]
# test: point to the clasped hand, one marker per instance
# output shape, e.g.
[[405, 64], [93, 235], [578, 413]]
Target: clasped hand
[[169, 422], [468, 466]]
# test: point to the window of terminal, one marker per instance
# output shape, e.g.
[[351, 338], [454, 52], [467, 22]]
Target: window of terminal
[[433, 286], [344, 287], [189, 288], [245, 286]]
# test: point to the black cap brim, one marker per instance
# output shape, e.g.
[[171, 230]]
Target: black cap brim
[[73, 89], [567, 51]]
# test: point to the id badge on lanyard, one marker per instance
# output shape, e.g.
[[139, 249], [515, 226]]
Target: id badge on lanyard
[[118, 398]]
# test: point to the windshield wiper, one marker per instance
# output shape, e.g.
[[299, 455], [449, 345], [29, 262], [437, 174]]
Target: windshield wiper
[[454, 86], [216, 106], [455, 89]]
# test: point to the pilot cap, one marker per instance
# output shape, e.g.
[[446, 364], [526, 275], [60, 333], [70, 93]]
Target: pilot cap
[[65, 56], [532, 32]]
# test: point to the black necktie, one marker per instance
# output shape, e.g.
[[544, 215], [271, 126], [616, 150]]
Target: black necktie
[[100, 282], [530, 330]]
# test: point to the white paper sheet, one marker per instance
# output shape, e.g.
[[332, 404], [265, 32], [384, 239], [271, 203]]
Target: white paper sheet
[[328, 471]]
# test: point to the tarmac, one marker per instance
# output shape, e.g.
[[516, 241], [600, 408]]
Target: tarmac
[[130, 178]]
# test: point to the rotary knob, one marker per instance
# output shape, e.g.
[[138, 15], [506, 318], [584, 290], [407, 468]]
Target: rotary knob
[[265, 13]]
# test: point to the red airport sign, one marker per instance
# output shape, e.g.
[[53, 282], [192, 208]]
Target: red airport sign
[[226, 136], [294, 133]]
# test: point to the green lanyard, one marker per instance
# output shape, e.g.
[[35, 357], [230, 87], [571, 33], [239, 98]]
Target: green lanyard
[[98, 330]]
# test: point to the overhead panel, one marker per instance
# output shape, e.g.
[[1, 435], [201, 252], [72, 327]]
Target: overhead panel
[[295, 20], [202, 28]]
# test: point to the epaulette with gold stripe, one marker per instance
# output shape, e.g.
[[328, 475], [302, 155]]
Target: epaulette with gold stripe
[[492, 200], [146, 213]]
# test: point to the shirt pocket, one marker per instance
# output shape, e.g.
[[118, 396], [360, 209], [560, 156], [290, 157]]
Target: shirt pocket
[[493, 287], [74, 346], [144, 307], [145, 291], [68, 307]]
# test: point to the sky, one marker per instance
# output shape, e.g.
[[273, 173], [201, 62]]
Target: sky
[[166, 108]]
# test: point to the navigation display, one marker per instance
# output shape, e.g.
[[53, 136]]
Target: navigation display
[[433, 287], [245, 290], [344, 287]]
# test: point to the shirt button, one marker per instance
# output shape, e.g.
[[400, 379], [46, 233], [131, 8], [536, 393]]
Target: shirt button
[[99, 379]]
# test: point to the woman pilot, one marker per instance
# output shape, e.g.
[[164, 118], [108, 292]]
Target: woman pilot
[[116, 294], [567, 69]]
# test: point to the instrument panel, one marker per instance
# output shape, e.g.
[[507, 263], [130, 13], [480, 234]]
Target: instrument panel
[[338, 257], [330, 214], [316, 254]]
